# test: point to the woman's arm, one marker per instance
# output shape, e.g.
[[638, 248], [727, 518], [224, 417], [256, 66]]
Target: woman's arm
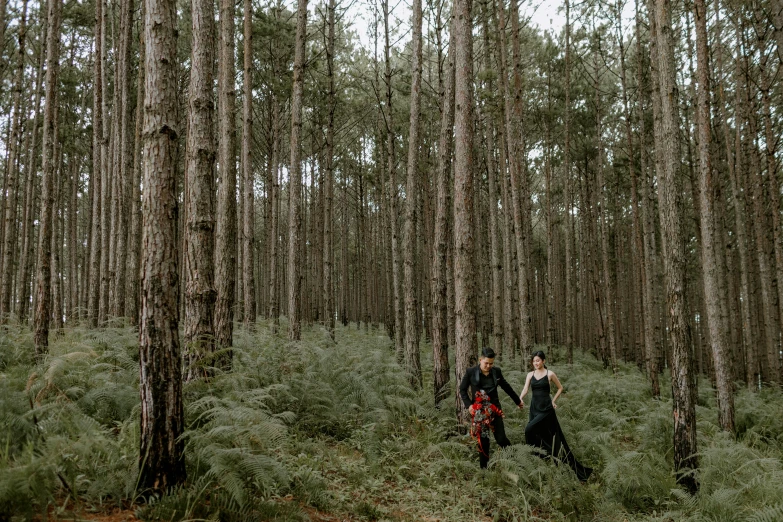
[[526, 388], [553, 378]]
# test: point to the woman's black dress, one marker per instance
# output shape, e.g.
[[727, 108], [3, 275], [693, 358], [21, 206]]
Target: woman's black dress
[[543, 431]]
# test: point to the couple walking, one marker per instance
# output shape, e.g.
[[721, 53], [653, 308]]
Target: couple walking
[[542, 431]]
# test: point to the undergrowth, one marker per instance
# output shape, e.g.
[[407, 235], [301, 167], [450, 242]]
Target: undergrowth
[[297, 428]]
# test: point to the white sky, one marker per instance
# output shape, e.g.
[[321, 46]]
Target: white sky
[[542, 13]]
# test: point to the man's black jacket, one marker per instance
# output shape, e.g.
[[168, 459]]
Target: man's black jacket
[[472, 378]]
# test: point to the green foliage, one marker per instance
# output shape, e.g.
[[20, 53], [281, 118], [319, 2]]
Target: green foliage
[[297, 427]]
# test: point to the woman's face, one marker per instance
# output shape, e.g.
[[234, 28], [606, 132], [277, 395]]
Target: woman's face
[[538, 362]]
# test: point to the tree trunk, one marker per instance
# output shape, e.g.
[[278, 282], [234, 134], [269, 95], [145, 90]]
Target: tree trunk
[[97, 172], [517, 197], [12, 172], [132, 307], [295, 179], [709, 247], [399, 317], [412, 357], [102, 287], [43, 279], [226, 231], [329, 181], [199, 333], [440, 343], [464, 291], [161, 461], [227, 23], [274, 195], [125, 159], [683, 387]]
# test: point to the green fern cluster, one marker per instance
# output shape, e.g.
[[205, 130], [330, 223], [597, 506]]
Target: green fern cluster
[[314, 425]]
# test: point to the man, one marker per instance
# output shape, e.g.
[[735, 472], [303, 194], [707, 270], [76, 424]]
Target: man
[[487, 378]]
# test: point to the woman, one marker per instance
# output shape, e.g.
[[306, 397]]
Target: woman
[[543, 431]]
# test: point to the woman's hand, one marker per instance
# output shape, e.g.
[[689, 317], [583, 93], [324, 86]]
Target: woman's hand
[[554, 405], [521, 405], [471, 410]]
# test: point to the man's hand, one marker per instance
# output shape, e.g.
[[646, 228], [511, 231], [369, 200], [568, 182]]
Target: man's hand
[[521, 405]]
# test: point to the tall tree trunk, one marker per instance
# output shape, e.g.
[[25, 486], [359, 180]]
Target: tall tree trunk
[[399, 317], [12, 172], [709, 247], [106, 166], [226, 231], [247, 156], [496, 263], [518, 204], [464, 291], [44, 277], [773, 189], [638, 308], [295, 179], [440, 341], [683, 387], [570, 293], [199, 332], [93, 300], [274, 195], [125, 157], [161, 461], [132, 307], [412, 357], [329, 181]]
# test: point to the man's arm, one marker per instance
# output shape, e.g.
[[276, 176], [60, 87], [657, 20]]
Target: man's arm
[[503, 383], [463, 389]]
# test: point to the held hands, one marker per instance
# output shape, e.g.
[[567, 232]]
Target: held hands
[[521, 405], [554, 405]]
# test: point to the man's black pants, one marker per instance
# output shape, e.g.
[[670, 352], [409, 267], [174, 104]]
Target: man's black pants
[[500, 438]]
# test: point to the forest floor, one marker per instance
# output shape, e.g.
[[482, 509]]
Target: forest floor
[[331, 432]]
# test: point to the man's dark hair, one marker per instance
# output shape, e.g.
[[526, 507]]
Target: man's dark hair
[[488, 353]]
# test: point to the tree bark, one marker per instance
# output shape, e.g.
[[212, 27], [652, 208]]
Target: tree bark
[[226, 231], [161, 462], [329, 180], [125, 159], [12, 173], [295, 179], [440, 344], [44, 277], [412, 357], [199, 333], [709, 247], [683, 387], [227, 23], [464, 291], [97, 172]]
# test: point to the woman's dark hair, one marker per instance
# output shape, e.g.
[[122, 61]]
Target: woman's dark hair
[[488, 353], [540, 355]]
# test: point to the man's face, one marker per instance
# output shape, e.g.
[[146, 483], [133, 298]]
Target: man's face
[[486, 364]]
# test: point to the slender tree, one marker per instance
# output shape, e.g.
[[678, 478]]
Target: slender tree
[[412, 362], [295, 178], [199, 333], [49, 142], [226, 231], [329, 177], [464, 290], [9, 240], [227, 27], [709, 248], [161, 462], [670, 212]]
